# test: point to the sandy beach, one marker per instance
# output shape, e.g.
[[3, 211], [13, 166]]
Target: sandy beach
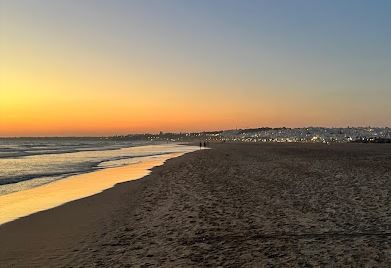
[[237, 205]]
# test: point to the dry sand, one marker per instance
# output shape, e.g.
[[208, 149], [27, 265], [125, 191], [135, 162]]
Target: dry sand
[[236, 205]]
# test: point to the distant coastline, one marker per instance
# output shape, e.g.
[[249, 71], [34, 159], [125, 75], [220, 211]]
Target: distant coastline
[[261, 134], [281, 134]]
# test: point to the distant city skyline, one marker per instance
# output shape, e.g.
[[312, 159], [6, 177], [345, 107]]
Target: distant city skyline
[[92, 68]]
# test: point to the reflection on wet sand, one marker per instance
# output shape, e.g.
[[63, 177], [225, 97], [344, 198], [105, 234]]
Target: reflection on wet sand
[[19, 204]]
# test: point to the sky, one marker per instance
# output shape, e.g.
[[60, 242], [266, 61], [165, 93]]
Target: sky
[[94, 67]]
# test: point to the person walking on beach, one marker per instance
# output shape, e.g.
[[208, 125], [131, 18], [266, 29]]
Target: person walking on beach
[[200, 144], [204, 144]]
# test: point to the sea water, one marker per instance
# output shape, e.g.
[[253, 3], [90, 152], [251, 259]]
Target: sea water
[[33, 169]]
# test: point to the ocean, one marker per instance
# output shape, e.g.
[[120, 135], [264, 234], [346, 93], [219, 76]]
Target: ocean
[[41, 173], [30, 162]]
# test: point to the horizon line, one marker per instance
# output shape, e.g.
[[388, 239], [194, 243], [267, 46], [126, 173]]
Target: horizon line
[[177, 132]]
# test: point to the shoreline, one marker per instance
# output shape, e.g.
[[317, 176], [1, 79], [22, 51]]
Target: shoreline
[[239, 204], [50, 195], [68, 224]]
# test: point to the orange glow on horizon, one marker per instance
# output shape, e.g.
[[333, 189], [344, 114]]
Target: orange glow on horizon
[[42, 102]]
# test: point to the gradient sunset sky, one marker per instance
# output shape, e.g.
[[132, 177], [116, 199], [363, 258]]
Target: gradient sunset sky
[[90, 67]]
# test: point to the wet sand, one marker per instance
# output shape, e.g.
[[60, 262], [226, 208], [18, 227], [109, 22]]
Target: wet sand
[[24, 203], [236, 205]]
